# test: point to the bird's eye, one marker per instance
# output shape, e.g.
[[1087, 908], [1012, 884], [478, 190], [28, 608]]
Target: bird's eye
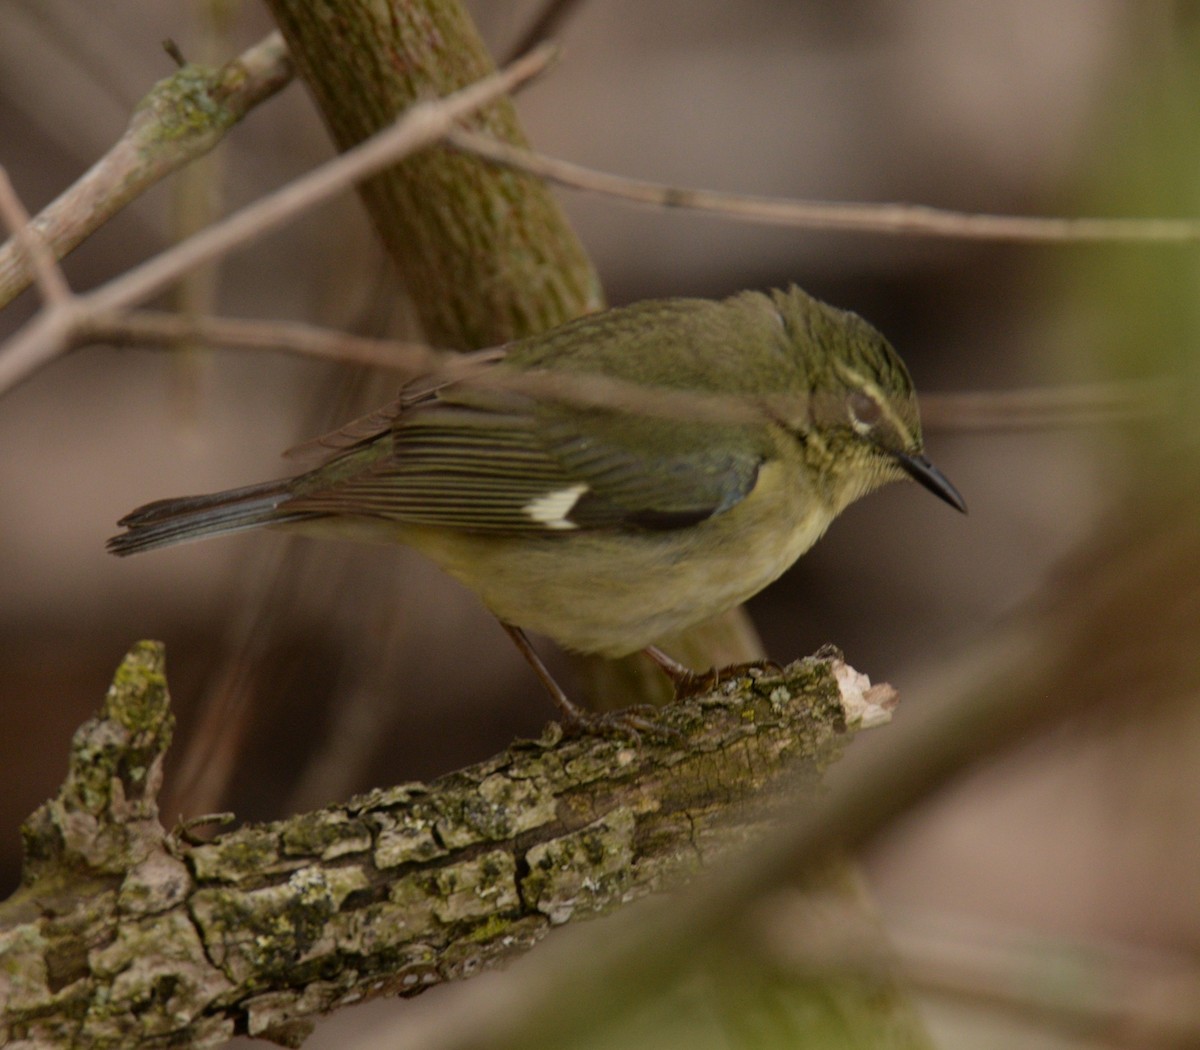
[[864, 411]]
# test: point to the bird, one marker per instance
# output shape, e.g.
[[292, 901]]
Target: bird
[[608, 522]]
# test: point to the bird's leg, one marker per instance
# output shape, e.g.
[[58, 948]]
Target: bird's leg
[[685, 681], [576, 719], [679, 673], [572, 713]]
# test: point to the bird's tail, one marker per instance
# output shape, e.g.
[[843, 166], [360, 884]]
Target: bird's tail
[[179, 520]]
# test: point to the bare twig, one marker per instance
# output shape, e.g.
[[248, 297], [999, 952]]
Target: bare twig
[[161, 329], [420, 126], [547, 22], [163, 135], [1058, 406], [897, 219], [48, 336], [1082, 404], [41, 262]]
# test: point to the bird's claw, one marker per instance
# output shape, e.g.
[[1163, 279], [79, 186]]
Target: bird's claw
[[689, 683], [630, 723]]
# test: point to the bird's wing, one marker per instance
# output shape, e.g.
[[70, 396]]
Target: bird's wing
[[422, 388], [496, 461]]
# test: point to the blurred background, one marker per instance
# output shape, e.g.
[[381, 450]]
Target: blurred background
[[345, 668]]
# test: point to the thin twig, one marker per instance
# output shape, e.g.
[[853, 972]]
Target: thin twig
[[40, 341], [895, 219], [50, 280], [1087, 404], [546, 23], [434, 367], [1030, 408], [418, 127], [161, 329], [163, 135]]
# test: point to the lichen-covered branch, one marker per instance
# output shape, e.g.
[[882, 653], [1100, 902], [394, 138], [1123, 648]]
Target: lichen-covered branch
[[125, 935], [182, 118]]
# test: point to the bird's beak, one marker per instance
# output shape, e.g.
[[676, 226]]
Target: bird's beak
[[925, 473]]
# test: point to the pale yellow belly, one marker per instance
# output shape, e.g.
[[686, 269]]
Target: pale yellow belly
[[598, 592]]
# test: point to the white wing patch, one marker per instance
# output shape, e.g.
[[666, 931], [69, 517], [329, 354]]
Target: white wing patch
[[552, 509]]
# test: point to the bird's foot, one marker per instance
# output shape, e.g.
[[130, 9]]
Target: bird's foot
[[629, 723], [689, 683]]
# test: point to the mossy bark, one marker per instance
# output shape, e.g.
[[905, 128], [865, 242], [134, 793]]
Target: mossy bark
[[123, 934]]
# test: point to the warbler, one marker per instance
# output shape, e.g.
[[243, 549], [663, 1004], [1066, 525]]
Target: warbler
[[603, 525]]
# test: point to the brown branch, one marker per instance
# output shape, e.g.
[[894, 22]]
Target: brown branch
[[1067, 405], [548, 22], [910, 220], [151, 328], [30, 248], [183, 117], [1063, 405], [124, 935], [416, 128], [55, 328]]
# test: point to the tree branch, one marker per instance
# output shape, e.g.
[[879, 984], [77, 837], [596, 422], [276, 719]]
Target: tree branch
[[124, 935], [1024, 408], [56, 326], [909, 220], [29, 246], [182, 118]]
